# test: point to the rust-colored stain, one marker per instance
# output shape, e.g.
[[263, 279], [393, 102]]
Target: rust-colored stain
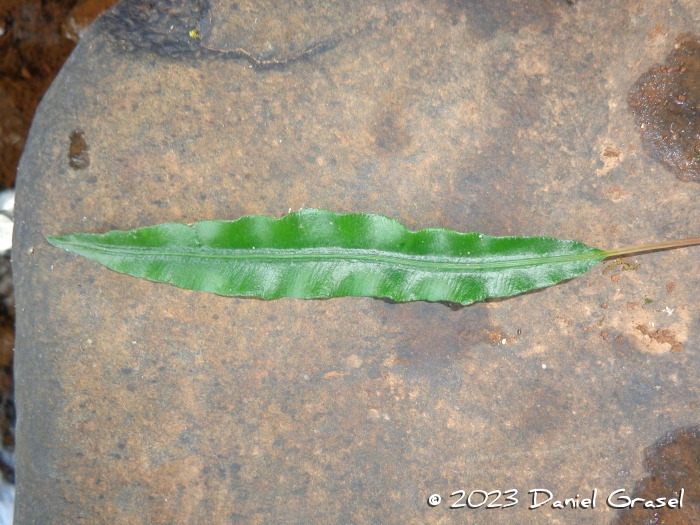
[[616, 193], [612, 152], [334, 374], [78, 157], [673, 463], [662, 336], [496, 338], [658, 30], [666, 106]]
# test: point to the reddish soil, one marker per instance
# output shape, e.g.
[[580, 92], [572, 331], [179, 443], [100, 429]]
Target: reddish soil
[[33, 48]]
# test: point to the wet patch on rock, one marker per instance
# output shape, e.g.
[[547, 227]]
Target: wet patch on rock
[[666, 106], [673, 463], [78, 157]]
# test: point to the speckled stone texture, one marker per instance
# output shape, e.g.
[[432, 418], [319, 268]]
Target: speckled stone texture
[[141, 403]]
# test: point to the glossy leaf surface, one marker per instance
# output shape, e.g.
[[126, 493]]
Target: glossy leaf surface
[[317, 253]]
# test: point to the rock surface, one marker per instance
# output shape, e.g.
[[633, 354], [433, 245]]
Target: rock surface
[[143, 403]]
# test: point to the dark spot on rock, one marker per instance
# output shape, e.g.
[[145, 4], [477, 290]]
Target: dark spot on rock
[[186, 437], [524, 110], [77, 151], [390, 130], [673, 463], [540, 413], [485, 19], [666, 106]]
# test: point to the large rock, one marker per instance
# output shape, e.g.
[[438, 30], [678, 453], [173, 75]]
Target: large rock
[[143, 403]]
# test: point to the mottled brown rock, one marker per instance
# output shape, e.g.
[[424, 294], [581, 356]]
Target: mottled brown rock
[[666, 104], [143, 403]]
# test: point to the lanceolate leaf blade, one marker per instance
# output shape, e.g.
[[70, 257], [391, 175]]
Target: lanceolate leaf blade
[[319, 254]]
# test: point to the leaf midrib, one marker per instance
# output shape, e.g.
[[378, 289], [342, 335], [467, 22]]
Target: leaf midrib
[[345, 254]]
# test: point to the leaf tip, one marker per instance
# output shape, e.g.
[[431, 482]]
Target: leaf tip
[[52, 239], [57, 241]]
